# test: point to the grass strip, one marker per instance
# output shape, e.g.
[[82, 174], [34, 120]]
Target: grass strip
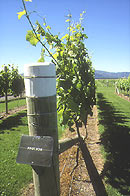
[[114, 128], [12, 176], [12, 104]]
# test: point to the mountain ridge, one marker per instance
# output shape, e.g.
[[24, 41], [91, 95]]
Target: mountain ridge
[[110, 75]]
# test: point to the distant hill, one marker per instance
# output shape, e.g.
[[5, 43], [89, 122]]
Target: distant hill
[[110, 75]]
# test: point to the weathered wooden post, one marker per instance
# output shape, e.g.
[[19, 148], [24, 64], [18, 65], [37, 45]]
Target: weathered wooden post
[[40, 85]]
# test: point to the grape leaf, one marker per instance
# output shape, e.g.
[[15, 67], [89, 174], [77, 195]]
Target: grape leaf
[[30, 36], [48, 27], [68, 20], [20, 14]]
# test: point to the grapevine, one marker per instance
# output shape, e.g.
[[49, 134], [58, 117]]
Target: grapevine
[[75, 74], [11, 82], [123, 86]]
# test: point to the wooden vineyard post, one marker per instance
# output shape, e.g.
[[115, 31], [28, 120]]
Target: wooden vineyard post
[[40, 85]]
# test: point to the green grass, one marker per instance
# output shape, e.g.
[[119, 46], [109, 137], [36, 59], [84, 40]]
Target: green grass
[[61, 128], [13, 176], [106, 82], [12, 104], [114, 127]]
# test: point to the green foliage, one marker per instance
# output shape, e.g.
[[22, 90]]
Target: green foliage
[[41, 59], [5, 77], [1, 85], [75, 75], [11, 81], [123, 84], [20, 14], [17, 82], [30, 36]]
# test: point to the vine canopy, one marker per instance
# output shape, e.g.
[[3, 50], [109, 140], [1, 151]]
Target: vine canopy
[[75, 74]]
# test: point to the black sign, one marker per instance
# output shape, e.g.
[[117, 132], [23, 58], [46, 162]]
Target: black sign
[[35, 150]]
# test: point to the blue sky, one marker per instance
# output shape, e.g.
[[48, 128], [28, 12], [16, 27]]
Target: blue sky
[[106, 23]]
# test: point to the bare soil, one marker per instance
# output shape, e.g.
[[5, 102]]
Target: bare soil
[[77, 181]]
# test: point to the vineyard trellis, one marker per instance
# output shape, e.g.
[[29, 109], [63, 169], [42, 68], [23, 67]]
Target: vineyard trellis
[[11, 82], [123, 86], [74, 71]]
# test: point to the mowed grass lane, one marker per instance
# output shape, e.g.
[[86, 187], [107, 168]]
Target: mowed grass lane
[[114, 127]]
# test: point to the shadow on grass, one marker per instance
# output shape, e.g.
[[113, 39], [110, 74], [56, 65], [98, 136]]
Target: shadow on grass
[[116, 142], [12, 121]]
